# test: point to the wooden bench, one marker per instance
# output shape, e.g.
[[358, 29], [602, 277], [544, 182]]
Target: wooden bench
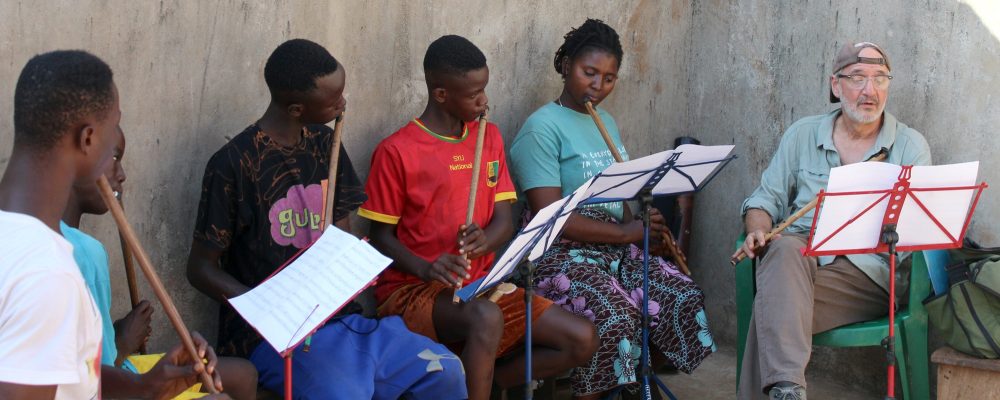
[[961, 376]]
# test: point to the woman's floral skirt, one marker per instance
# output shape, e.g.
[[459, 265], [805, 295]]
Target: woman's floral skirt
[[603, 283]]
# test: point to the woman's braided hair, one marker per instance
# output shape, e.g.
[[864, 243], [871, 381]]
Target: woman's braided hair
[[594, 34]]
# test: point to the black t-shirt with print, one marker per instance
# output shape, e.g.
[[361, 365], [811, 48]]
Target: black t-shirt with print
[[261, 204]]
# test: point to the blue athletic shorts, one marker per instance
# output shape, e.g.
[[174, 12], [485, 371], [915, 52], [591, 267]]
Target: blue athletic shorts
[[361, 358]]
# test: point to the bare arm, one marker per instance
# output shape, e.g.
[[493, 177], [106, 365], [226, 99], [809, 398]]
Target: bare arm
[[444, 269], [583, 229], [117, 383], [14, 391], [204, 273], [344, 224]]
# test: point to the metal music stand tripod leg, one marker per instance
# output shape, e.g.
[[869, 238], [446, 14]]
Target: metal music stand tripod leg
[[646, 203], [890, 237], [529, 292]]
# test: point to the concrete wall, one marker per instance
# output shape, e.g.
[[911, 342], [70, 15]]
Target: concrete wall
[[190, 76]]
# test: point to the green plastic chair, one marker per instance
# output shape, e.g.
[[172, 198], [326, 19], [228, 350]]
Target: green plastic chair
[[911, 323]]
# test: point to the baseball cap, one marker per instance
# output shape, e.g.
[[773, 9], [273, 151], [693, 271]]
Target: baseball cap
[[849, 54]]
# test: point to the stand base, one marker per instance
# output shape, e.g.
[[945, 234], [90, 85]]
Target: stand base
[[646, 389]]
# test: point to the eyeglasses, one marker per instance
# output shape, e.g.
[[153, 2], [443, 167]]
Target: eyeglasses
[[857, 82]]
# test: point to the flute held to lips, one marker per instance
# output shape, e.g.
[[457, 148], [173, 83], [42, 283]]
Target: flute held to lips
[[668, 238]]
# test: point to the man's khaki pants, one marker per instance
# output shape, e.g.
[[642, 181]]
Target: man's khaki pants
[[796, 299]]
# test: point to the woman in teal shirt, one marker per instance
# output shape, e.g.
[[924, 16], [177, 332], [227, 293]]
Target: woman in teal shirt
[[596, 270]]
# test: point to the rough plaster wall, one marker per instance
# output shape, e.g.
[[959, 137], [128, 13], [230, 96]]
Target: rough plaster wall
[[385, 74], [189, 74], [762, 67], [190, 77]]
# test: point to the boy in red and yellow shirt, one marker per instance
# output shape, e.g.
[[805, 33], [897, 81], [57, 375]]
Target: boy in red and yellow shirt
[[418, 191]]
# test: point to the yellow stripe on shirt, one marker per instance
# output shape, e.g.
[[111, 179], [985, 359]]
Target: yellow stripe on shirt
[[512, 196], [374, 216]]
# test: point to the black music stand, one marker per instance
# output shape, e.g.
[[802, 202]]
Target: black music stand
[[686, 169]]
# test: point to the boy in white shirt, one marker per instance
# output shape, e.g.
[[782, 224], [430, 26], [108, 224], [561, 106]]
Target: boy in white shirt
[[66, 117]]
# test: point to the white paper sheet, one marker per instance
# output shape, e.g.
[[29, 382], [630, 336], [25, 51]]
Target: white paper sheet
[[698, 162], [949, 207], [618, 181], [623, 181], [541, 231], [915, 227], [288, 306]]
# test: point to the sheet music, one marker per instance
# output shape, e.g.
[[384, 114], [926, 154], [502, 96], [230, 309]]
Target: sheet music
[[694, 166], [697, 162], [915, 226], [287, 307], [622, 181], [552, 233], [949, 207], [837, 210], [533, 240]]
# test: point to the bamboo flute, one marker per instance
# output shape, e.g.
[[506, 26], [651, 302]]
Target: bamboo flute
[[668, 238], [471, 207], [331, 180], [133, 287], [154, 280], [327, 219], [881, 155]]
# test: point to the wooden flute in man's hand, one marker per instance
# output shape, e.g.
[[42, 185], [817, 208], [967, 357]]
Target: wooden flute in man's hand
[[881, 155]]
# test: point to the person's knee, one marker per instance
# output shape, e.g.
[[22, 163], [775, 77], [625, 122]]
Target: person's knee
[[485, 320], [780, 251], [586, 342], [571, 334], [239, 377]]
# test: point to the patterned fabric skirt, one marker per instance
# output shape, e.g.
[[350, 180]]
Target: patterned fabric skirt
[[603, 283]]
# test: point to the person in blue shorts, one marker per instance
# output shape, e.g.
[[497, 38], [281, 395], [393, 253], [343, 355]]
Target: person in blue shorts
[[261, 203]]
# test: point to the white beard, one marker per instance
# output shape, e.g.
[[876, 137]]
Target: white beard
[[855, 114]]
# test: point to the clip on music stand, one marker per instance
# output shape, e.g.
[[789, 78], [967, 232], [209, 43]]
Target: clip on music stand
[[686, 169], [923, 208]]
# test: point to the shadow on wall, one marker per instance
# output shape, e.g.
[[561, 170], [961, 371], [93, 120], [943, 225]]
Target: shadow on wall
[[947, 81]]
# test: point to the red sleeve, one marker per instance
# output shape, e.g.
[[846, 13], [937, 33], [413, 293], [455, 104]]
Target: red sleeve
[[385, 186], [505, 186]]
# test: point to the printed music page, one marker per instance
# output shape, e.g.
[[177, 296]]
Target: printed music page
[[915, 227], [622, 181], [533, 240], [949, 207], [693, 168], [291, 304]]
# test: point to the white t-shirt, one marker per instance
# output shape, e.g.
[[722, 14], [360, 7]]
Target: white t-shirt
[[50, 329]]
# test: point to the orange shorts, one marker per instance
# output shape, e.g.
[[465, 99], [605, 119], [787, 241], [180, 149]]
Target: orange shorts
[[415, 304]]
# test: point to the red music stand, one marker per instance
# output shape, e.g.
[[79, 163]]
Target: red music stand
[[327, 310], [899, 218]]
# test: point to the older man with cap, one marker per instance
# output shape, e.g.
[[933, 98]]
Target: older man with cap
[[798, 296]]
